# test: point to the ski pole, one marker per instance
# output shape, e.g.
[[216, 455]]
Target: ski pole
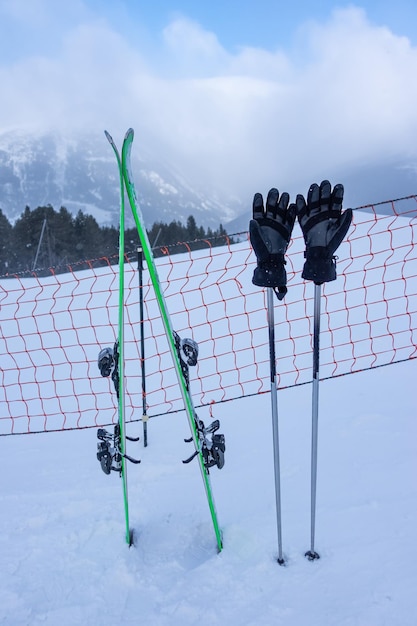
[[312, 554], [274, 407], [270, 233], [142, 348], [324, 227]]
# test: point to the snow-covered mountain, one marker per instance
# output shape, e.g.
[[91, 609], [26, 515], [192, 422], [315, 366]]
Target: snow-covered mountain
[[80, 173]]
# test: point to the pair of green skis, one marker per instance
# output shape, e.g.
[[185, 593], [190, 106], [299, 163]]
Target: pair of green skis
[[209, 451]]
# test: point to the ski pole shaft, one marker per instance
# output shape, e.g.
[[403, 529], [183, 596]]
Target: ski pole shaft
[[274, 407], [312, 554], [142, 347]]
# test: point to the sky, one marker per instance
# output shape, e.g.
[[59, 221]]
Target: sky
[[236, 94]]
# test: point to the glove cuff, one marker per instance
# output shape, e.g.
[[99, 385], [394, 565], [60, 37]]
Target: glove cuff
[[275, 276], [320, 265]]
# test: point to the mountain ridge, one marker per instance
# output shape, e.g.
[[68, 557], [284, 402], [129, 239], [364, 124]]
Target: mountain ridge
[[80, 173]]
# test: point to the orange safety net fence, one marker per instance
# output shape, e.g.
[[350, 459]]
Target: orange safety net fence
[[53, 325]]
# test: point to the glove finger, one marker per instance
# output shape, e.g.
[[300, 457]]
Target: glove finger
[[291, 213], [313, 199], [283, 204], [257, 241], [301, 207], [285, 218], [335, 209], [282, 214], [258, 206], [341, 230], [272, 203], [325, 195], [337, 197]]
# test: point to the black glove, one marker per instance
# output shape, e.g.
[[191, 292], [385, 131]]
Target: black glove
[[270, 233], [324, 227]]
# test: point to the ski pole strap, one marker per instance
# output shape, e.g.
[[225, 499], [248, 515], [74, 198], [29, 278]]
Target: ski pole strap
[[280, 292]]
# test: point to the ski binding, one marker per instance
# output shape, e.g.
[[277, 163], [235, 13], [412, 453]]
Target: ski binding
[[212, 448], [109, 451], [108, 364]]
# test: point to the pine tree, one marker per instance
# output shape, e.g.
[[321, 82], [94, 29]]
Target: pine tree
[[47, 238], [5, 244]]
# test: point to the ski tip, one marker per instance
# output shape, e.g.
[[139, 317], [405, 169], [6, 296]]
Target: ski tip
[[130, 133], [108, 136]]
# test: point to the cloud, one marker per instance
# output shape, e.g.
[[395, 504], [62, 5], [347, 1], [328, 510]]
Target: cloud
[[361, 79], [344, 94]]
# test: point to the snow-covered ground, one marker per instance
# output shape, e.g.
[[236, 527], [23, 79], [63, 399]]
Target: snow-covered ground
[[63, 556], [64, 560]]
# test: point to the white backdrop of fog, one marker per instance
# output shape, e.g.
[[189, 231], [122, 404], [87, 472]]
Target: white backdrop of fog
[[344, 95]]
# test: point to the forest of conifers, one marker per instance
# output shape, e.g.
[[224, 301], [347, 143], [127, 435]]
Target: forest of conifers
[[44, 238]]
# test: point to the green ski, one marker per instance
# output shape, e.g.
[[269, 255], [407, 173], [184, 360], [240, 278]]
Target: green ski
[[209, 447], [112, 447]]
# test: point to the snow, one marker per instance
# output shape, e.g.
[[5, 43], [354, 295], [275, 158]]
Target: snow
[[164, 188], [64, 556]]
